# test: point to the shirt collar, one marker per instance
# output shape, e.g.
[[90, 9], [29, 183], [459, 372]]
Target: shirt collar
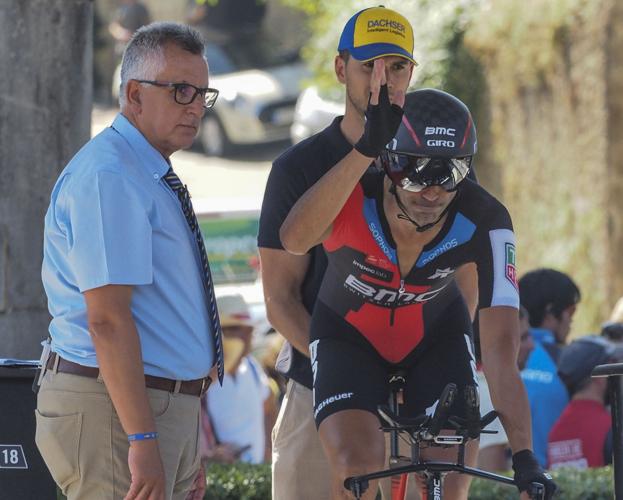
[[151, 159]]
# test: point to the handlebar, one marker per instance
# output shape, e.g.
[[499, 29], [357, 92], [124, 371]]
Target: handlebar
[[428, 428]]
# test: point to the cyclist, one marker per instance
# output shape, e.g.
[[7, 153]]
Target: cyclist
[[411, 255]]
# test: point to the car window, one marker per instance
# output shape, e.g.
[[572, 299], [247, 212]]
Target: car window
[[218, 60], [256, 52]]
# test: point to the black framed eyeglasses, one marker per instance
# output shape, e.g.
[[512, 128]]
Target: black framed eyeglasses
[[415, 173], [185, 93]]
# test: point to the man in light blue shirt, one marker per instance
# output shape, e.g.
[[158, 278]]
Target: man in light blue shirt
[[551, 298], [132, 333]]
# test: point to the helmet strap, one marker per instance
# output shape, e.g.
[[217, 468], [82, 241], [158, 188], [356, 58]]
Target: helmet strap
[[405, 216]]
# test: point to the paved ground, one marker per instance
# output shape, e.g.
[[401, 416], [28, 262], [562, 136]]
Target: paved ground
[[215, 183]]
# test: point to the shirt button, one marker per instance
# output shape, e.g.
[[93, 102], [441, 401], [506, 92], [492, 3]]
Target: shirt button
[[156, 176]]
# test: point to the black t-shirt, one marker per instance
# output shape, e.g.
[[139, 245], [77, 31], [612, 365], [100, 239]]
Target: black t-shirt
[[293, 173]]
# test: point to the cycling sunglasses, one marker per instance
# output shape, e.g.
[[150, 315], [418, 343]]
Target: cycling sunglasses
[[415, 173]]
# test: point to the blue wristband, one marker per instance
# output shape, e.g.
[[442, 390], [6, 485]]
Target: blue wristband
[[142, 436]]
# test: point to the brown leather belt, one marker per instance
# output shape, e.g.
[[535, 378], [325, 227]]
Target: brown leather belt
[[196, 387]]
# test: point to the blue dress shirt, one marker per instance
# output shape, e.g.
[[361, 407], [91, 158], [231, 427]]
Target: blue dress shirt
[[112, 219]]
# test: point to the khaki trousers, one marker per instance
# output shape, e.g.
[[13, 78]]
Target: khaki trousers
[[300, 470], [83, 444]]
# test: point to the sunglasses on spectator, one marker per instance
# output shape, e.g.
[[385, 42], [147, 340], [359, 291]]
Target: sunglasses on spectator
[[185, 93]]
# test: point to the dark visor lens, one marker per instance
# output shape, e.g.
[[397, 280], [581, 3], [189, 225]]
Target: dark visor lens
[[415, 173]]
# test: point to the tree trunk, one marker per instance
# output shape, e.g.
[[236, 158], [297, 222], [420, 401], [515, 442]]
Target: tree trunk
[[614, 78], [45, 111]]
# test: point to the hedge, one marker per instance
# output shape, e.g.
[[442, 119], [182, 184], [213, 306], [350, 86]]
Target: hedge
[[253, 482]]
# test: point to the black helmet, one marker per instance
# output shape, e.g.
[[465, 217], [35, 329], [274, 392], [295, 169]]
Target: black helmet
[[434, 144]]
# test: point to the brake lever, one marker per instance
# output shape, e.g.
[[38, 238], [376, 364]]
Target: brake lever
[[441, 412], [536, 491]]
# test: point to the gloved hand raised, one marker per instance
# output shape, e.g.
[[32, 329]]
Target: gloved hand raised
[[382, 117], [528, 471]]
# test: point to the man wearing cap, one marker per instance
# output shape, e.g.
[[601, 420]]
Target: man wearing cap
[[582, 436], [238, 410], [291, 282]]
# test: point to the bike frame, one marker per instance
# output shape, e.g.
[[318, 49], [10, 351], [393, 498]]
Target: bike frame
[[435, 468]]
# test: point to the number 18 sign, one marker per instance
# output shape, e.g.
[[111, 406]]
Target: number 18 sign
[[12, 457]]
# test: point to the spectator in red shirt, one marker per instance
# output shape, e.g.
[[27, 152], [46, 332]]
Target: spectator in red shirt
[[582, 436]]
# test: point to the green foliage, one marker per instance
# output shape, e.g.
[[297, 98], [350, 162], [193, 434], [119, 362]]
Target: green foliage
[[253, 482], [437, 26], [238, 482], [589, 484]]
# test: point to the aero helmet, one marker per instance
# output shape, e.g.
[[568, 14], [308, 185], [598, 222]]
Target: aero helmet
[[434, 144]]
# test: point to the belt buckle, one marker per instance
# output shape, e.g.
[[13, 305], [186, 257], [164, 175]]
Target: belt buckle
[[205, 385]]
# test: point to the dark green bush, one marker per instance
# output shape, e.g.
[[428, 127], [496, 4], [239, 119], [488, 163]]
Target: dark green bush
[[590, 484], [252, 482], [238, 482]]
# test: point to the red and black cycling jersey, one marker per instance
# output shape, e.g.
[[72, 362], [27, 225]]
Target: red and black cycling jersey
[[363, 292]]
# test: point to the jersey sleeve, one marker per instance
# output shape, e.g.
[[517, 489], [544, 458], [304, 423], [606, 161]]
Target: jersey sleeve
[[286, 184], [496, 263], [344, 219]]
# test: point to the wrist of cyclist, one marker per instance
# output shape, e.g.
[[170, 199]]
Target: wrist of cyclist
[[528, 471], [525, 459]]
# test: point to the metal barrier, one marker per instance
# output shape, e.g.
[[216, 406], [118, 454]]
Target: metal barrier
[[614, 371]]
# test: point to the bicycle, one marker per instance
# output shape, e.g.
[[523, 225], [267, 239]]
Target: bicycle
[[425, 431]]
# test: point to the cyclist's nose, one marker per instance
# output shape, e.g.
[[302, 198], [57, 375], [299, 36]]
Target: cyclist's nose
[[432, 193]]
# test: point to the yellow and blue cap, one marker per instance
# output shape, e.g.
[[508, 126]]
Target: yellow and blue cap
[[377, 32]]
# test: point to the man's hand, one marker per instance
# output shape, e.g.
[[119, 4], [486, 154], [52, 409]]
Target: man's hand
[[146, 471], [382, 116], [528, 471], [198, 489]]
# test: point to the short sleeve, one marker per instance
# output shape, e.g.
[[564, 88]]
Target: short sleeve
[[109, 232], [497, 263], [285, 185]]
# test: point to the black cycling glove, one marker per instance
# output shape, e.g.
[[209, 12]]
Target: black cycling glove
[[382, 122], [528, 471]]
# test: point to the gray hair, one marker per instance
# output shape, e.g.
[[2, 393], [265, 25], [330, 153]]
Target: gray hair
[[143, 57]]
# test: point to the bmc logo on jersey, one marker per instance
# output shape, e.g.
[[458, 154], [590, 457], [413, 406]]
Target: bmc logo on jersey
[[388, 297], [510, 265]]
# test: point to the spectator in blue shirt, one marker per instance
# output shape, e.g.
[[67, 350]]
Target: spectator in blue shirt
[[133, 335], [551, 298]]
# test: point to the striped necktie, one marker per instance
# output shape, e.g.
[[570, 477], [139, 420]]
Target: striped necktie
[[181, 191]]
